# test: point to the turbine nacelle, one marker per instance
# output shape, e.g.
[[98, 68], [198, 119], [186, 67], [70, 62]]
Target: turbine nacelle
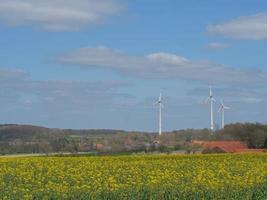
[[210, 98], [159, 101], [223, 107]]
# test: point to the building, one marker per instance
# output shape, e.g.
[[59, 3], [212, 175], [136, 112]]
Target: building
[[226, 146]]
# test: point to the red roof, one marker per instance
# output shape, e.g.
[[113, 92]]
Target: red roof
[[227, 146]]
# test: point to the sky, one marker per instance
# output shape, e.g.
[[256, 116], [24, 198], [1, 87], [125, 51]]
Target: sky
[[101, 64]]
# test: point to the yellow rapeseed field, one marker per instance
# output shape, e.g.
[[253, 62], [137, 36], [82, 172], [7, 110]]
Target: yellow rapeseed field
[[224, 176]]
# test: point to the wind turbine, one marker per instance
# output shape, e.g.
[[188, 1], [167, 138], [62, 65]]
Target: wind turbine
[[210, 99], [159, 102], [222, 110]]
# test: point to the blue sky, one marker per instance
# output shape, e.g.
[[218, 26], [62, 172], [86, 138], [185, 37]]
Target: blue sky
[[102, 64]]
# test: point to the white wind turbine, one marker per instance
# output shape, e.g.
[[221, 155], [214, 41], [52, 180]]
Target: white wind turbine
[[159, 102], [222, 110], [210, 100]]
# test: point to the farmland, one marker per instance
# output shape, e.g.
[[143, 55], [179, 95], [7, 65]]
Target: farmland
[[224, 176]]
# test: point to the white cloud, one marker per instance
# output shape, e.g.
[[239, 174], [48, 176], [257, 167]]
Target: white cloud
[[232, 94], [160, 65], [7, 74], [217, 45], [60, 103], [168, 58], [17, 83], [247, 27], [252, 100], [57, 15]]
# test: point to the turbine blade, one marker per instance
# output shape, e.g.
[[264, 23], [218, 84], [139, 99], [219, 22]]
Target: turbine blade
[[210, 91], [207, 100]]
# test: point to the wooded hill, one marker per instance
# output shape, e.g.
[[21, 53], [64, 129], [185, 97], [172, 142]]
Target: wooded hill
[[33, 139]]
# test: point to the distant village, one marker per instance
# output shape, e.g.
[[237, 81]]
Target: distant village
[[234, 138]]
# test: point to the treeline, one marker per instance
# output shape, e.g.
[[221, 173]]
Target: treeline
[[16, 139], [254, 134]]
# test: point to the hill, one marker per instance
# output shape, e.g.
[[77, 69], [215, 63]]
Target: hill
[[34, 139]]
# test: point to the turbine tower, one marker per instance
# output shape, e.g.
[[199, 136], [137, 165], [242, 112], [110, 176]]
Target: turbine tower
[[210, 99], [159, 102], [222, 110]]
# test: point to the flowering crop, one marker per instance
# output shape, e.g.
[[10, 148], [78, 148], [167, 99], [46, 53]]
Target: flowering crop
[[224, 176]]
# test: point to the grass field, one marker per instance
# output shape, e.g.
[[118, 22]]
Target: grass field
[[224, 176]]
